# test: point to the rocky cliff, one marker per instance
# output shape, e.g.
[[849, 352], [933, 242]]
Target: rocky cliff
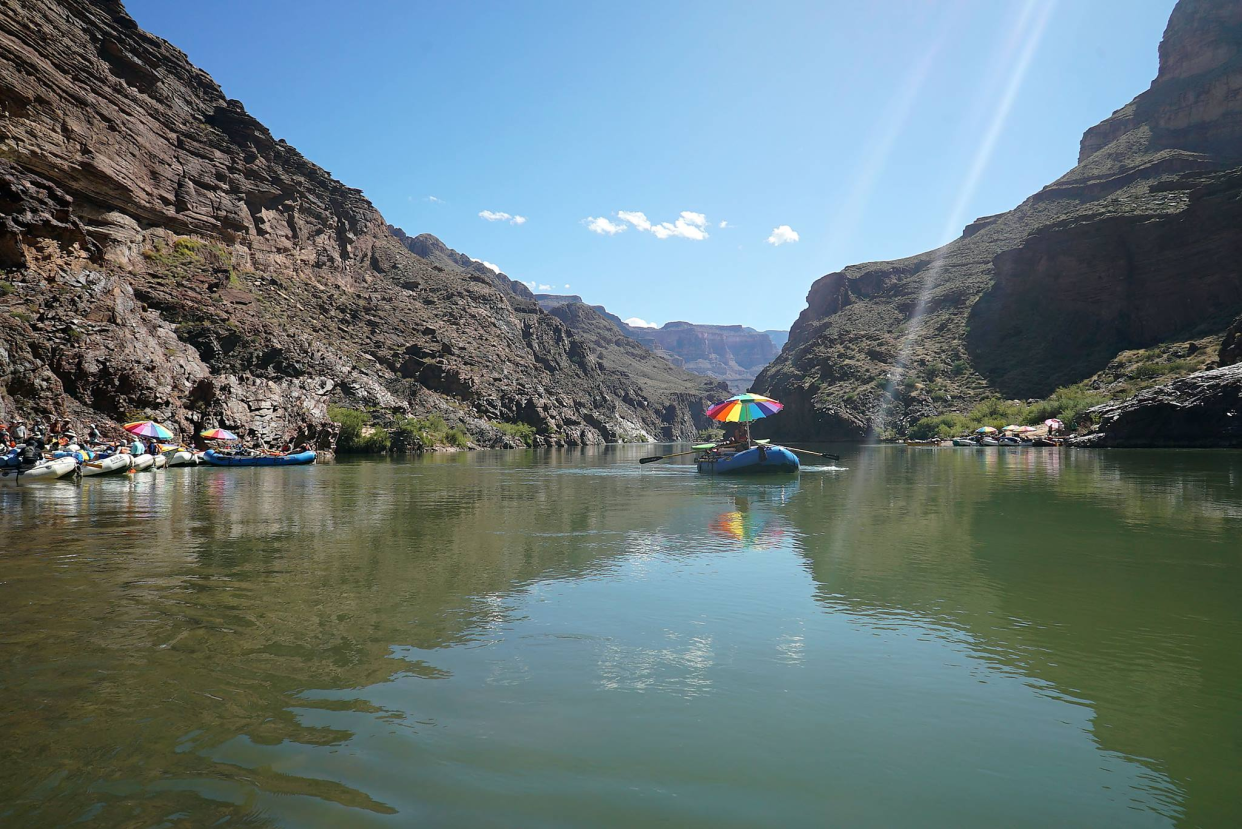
[[1199, 410], [1139, 244], [428, 247], [732, 353], [679, 394], [166, 256]]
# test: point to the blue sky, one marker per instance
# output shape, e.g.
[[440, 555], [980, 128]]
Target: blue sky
[[869, 130]]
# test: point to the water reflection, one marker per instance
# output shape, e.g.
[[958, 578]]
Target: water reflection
[[1047, 636]]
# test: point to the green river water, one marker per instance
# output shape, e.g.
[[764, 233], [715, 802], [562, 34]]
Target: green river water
[[910, 637]]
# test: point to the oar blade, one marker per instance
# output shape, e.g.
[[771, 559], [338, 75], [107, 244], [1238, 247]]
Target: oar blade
[[651, 459]]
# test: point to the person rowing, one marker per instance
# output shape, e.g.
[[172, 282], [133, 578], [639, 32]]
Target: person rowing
[[738, 441]]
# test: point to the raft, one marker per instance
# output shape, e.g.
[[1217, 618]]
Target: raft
[[755, 460], [217, 459], [46, 470], [107, 465]]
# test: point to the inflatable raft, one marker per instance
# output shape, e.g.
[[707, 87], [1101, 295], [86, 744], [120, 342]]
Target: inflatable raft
[[217, 459], [757, 459], [48, 470], [106, 465]]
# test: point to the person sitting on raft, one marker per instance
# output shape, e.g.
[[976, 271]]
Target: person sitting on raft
[[739, 440]]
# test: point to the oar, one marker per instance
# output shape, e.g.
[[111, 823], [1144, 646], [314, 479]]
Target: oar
[[816, 454], [655, 458]]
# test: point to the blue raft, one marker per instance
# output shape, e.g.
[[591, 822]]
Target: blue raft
[[757, 459], [216, 459]]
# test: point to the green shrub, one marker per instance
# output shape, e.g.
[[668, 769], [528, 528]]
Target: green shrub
[[522, 431], [711, 435], [353, 436], [186, 246], [1066, 403], [420, 433], [6, 288], [942, 426], [959, 368]]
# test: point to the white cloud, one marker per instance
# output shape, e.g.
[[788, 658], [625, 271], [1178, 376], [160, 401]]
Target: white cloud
[[489, 265], [494, 216], [782, 235], [602, 225], [685, 228], [723, 224], [545, 287], [689, 225], [566, 286], [434, 200], [635, 322], [635, 217]]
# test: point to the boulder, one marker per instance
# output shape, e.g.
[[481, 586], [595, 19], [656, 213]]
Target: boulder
[[1200, 410]]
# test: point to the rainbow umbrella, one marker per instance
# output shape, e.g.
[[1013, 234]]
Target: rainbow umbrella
[[1054, 423], [148, 429], [744, 408], [985, 430], [218, 434]]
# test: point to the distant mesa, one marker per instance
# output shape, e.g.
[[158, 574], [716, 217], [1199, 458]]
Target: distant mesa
[[733, 353]]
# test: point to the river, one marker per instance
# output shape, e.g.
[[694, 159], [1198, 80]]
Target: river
[[909, 637]]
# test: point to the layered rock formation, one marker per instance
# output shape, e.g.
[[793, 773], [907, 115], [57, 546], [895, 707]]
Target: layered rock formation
[[778, 338], [167, 257], [1139, 244], [680, 392], [732, 353]]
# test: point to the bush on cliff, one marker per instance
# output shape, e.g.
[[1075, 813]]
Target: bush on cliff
[[522, 431], [418, 433], [356, 435], [1067, 404]]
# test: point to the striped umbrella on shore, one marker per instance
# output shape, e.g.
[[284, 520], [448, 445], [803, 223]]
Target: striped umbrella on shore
[[148, 429]]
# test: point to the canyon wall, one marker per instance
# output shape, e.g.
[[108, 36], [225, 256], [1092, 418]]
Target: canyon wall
[[165, 256], [1139, 244]]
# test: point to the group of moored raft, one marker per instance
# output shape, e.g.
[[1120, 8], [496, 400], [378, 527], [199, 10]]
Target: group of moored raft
[[986, 440], [18, 466]]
